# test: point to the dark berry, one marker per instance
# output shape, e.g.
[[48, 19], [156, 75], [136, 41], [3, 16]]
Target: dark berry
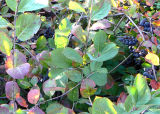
[[143, 53], [136, 54], [146, 24], [142, 22]]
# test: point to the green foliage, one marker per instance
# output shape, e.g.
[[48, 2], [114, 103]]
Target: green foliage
[[27, 25], [62, 56]]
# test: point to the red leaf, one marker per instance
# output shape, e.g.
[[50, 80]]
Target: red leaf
[[11, 87], [154, 39], [102, 24], [155, 85], [19, 72], [36, 110], [150, 2], [122, 98], [33, 95], [21, 101]]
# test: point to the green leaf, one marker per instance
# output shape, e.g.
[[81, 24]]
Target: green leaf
[[59, 76], [95, 65], [133, 93], [74, 75], [41, 42], [61, 42], [58, 109], [129, 103], [74, 94], [47, 87], [24, 83], [100, 10], [99, 41], [5, 43], [27, 25], [154, 101], [65, 23], [143, 90], [76, 7], [99, 78], [4, 23], [27, 5], [109, 51], [103, 106], [72, 55], [59, 60]]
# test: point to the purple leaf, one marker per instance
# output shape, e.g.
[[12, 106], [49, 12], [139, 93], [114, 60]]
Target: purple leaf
[[19, 72], [12, 90]]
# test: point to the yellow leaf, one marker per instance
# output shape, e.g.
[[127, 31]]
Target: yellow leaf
[[152, 58]]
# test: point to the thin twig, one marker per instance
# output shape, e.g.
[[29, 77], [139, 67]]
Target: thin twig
[[119, 64], [138, 31], [154, 72], [118, 14], [14, 40], [118, 23], [89, 24], [90, 101], [28, 52], [65, 92]]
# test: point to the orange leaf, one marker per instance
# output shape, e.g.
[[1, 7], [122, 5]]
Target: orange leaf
[[156, 22], [21, 101], [9, 62]]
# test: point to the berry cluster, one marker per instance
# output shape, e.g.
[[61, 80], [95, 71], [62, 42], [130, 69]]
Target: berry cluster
[[49, 33], [148, 72], [144, 23], [128, 40], [141, 53]]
